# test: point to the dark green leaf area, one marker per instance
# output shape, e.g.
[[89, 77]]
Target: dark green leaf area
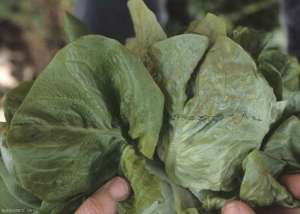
[[3, 130], [288, 67], [8, 201], [142, 181], [284, 144], [93, 99], [273, 77], [252, 41], [259, 186], [68, 206], [289, 70], [20, 196]]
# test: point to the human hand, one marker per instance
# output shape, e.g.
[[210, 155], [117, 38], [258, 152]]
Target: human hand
[[291, 182], [104, 200]]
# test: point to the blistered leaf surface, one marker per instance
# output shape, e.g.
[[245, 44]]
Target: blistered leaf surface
[[79, 115]]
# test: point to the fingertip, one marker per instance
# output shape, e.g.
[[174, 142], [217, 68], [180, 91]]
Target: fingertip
[[236, 207], [292, 183], [119, 189], [105, 199], [230, 208]]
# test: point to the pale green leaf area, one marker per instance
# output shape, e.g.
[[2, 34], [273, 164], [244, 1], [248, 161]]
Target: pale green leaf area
[[210, 134], [214, 200], [68, 135], [75, 28], [211, 26], [146, 26], [260, 187]]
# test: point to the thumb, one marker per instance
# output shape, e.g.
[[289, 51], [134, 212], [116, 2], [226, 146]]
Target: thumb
[[236, 207], [104, 200]]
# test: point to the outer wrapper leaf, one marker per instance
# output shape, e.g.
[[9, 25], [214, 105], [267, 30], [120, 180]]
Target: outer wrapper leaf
[[68, 135]]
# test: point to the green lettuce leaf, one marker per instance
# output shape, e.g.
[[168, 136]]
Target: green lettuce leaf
[[252, 41], [293, 101], [146, 187], [20, 195], [147, 31], [288, 67], [68, 206], [75, 28], [9, 203], [284, 144], [149, 177], [68, 135], [260, 187], [96, 112], [208, 135], [214, 200], [273, 77], [289, 70], [15, 196], [211, 26]]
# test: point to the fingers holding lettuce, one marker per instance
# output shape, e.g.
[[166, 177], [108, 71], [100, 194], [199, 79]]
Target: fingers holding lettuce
[[291, 182], [104, 200]]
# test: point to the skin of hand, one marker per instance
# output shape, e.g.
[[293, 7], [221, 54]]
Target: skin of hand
[[292, 184], [104, 200]]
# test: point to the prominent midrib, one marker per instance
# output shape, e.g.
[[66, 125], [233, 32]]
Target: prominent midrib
[[113, 132]]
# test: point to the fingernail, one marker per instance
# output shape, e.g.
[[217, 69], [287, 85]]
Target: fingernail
[[231, 208], [118, 188]]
